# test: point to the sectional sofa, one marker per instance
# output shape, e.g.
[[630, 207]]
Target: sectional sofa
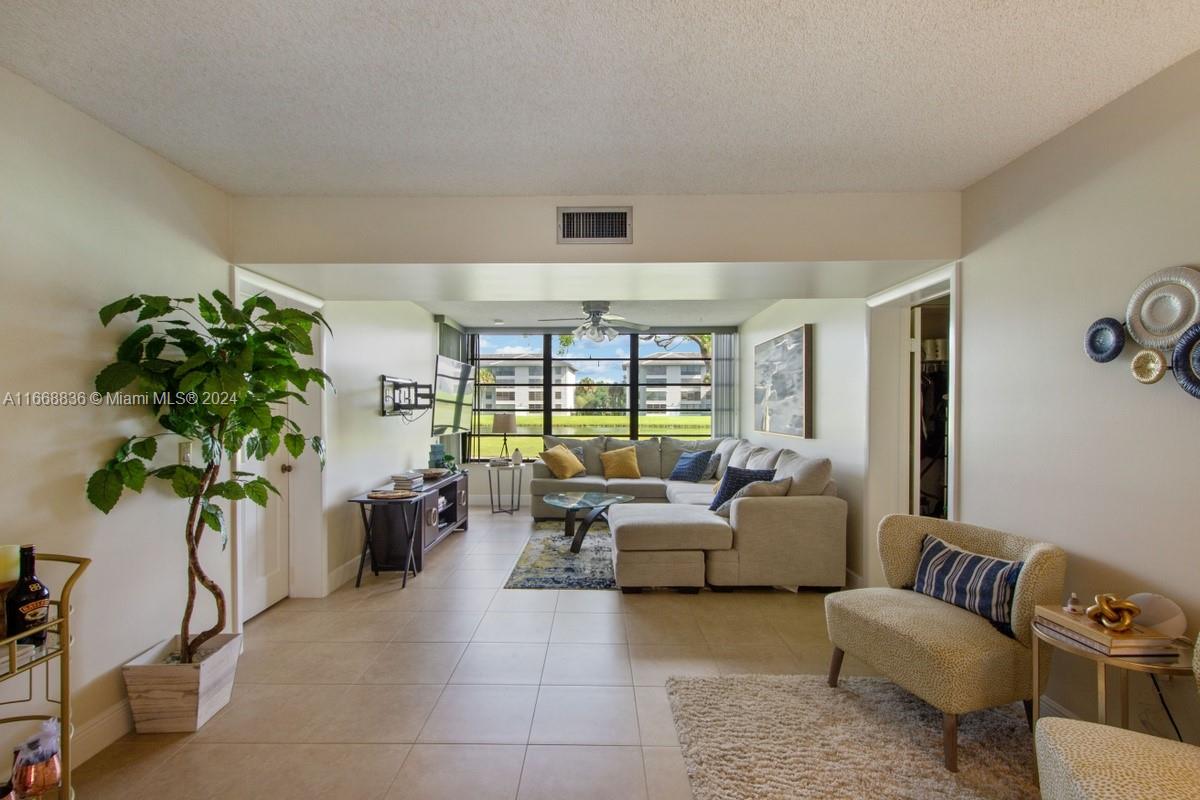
[[668, 537]]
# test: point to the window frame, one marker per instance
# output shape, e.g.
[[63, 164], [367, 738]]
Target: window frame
[[633, 385]]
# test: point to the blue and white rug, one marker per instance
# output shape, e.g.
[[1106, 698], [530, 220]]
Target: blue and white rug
[[548, 563]]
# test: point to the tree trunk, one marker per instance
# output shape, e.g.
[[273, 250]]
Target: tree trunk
[[195, 528]]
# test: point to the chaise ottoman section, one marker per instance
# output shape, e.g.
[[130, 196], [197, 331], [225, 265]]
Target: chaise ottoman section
[[663, 545], [668, 526]]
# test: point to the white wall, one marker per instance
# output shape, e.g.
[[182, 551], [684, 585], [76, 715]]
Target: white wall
[[793, 227], [364, 449], [839, 409], [86, 216], [1055, 446]]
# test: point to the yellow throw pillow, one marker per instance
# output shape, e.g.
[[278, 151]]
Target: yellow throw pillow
[[621, 463], [562, 462]]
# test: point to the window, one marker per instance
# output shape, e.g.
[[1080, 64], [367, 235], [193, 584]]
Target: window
[[635, 386]]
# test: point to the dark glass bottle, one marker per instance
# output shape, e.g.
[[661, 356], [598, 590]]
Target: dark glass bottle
[[28, 603]]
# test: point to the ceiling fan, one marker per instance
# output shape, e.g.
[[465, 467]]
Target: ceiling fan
[[598, 324]]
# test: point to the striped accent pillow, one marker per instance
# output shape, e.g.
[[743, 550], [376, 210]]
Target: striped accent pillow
[[980, 584]]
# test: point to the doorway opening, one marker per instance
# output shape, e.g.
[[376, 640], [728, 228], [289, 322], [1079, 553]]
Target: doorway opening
[[929, 467]]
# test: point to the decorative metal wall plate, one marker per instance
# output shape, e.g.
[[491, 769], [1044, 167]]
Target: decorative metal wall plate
[[1148, 366], [1164, 306], [1186, 361], [1105, 340]]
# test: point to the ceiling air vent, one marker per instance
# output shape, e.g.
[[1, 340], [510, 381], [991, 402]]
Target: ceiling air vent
[[595, 225]]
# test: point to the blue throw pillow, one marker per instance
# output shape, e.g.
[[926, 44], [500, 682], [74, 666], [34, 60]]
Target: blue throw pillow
[[690, 466], [980, 584], [735, 478]]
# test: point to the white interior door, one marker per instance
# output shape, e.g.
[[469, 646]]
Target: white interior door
[[263, 534]]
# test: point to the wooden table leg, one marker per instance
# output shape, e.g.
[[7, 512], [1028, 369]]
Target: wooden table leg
[[362, 560], [592, 516], [569, 525], [1123, 690], [1036, 707], [412, 539], [1101, 695]]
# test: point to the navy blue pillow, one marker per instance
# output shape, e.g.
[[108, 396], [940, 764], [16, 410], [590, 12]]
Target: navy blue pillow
[[980, 584], [691, 465], [735, 479]]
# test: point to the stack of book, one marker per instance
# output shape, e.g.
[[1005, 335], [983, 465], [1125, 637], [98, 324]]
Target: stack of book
[[408, 481], [500, 462], [1078, 629]]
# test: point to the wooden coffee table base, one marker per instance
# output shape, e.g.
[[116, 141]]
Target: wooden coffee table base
[[591, 516]]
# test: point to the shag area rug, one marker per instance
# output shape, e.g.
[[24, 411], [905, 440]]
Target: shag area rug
[[751, 737], [548, 563]]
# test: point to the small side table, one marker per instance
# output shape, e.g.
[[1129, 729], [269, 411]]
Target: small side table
[[516, 478], [1153, 665]]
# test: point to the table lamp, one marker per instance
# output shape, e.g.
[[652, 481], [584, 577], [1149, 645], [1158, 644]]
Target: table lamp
[[505, 423]]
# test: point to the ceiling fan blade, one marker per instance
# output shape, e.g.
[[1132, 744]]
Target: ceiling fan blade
[[563, 319]]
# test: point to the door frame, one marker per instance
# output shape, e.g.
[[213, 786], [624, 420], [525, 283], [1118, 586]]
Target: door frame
[[307, 550], [945, 281]]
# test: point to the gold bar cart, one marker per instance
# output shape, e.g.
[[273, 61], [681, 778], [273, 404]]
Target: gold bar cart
[[57, 645]]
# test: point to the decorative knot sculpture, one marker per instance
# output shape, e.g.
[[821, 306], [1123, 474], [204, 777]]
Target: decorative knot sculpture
[[1113, 612]]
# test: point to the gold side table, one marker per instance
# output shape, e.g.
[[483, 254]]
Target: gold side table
[[1180, 664]]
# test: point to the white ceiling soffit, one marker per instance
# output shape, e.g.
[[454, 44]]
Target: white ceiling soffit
[[620, 97], [659, 313], [575, 282]]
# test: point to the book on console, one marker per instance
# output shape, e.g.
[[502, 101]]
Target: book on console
[[1138, 640]]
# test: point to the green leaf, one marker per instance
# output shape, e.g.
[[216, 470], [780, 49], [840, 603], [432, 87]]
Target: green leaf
[[294, 442], [230, 490], [131, 349], [318, 446], [212, 515], [154, 305], [104, 489], [133, 473], [116, 376], [256, 493], [208, 312], [193, 361], [186, 481], [118, 307], [155, 346], [321, 377], [145, 448], [192, 380], [245, 359]]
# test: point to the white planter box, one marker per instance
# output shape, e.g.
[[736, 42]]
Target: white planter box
[[180, 698]]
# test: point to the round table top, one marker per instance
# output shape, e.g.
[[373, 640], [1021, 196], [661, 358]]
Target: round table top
[[506, 466], [1180, 664], [579, 500]]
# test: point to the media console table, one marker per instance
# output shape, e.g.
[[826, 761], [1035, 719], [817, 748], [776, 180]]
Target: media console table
[[398, 533]]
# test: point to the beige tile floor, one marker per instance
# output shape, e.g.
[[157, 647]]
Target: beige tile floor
[[456, 688]]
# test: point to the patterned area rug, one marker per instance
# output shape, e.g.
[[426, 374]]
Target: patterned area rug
[[548, 563], [748, 737]]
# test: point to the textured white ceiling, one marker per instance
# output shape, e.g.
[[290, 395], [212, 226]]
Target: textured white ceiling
[[609, 97]]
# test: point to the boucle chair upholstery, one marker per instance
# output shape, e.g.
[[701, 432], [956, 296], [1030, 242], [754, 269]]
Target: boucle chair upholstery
[[1085, 761], [951, 658]]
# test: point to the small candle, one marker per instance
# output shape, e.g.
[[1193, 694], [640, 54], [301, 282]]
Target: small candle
[[10, 563]]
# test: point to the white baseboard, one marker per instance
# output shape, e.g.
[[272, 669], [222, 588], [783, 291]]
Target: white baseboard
[[343, 574], [101, 731]]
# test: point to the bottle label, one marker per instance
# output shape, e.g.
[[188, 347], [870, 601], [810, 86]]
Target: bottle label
[[36, 612]]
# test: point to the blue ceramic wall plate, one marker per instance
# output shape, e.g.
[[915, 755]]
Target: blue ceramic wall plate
[[1185, 361], [1105, 340]]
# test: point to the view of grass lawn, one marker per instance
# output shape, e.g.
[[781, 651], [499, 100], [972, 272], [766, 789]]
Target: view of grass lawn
[[529, 441]]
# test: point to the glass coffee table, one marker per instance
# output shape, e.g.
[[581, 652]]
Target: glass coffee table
[[594, 505]]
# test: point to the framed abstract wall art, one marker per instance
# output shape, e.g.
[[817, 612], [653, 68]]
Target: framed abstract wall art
[[783, 384]]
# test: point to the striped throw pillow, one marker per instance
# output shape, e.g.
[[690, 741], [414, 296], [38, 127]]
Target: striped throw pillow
[[980, 584]]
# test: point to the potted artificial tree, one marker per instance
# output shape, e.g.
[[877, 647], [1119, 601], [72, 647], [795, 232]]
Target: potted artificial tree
[[215, 374]]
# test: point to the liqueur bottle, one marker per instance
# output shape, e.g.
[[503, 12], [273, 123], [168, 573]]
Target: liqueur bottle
[[28, 603]]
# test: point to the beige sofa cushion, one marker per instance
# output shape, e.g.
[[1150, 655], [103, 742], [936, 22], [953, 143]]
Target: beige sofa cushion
[[657, 526], [762, 458], [686, 492], [592, 448], [584, 483], [649, 458], [809, 475], [673, 448], [740, 455], [720, 459], [643, 487]]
